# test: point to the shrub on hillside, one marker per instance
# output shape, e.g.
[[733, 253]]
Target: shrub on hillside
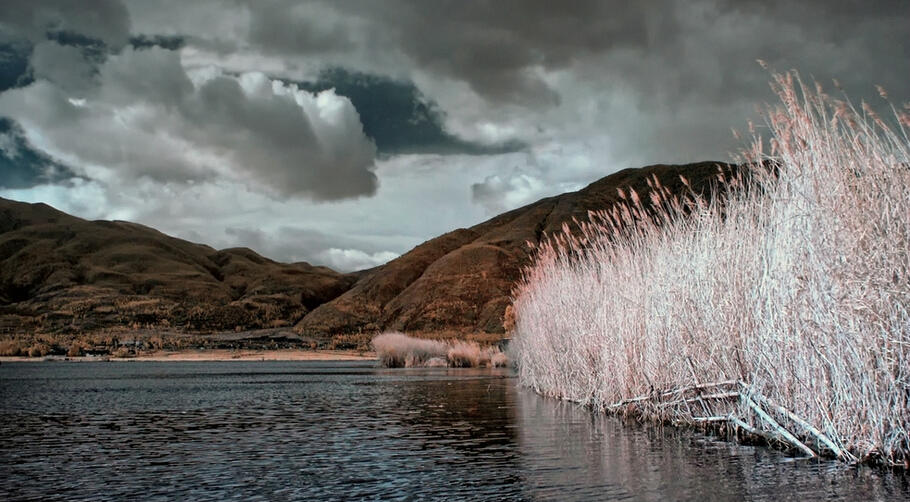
[[13, 348]]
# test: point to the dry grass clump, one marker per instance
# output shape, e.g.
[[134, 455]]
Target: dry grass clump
[[499, 360], [397, 350], [471, 355], [34, 345], [464, 355], [481, 338], [793, 290]]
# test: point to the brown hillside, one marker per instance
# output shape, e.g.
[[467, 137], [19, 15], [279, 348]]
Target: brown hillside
[[461, 281], [60, 273]]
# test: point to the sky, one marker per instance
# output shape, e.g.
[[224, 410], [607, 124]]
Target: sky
[[344, 133]]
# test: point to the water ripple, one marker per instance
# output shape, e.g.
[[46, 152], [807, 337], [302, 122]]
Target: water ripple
[[348, 431]]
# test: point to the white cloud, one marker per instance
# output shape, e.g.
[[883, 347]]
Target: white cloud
[[355, 259], [419, 197], [498, 192], [149, 118]]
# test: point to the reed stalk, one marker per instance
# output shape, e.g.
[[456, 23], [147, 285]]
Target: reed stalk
[[795, 281]]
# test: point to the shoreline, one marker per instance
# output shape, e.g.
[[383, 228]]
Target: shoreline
[[213, 355]]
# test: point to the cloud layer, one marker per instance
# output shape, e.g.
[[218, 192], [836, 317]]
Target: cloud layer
[[160, 122], [345, 132]]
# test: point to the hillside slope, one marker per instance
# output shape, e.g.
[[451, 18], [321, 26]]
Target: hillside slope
[[59, 273], [62, 274], [461, 281]]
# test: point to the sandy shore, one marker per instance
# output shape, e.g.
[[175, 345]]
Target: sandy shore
[[222, 355]]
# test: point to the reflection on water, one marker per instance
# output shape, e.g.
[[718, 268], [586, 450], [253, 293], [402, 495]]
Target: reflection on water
[[348, 431], [570, 453]]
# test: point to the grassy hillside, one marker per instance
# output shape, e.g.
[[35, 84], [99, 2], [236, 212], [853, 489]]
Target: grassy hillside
[[461, 281], [67, 277], [62, 274]]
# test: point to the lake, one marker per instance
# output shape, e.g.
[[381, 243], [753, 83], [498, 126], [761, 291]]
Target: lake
[[351, 431]]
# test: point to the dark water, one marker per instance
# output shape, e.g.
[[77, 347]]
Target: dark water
[[348, 431]]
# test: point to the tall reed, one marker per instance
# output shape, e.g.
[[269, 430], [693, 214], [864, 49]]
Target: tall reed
[[796, 282]]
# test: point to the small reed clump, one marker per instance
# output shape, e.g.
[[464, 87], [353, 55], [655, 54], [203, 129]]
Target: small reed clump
[[397, 350], [780, 308]]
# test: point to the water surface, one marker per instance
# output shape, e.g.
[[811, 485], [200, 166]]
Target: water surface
[[348, 431]]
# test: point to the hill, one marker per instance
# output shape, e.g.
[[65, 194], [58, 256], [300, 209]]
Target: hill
[[62, 274], [461, 281], [59, 273]]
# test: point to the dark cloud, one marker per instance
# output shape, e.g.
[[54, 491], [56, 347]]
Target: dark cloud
[[92, 49], [398, 117], [169, 42], [24, 166], [290, 143], [14, 71], [104, 20], [670, 52], [312, 33], [288, 148], [68, 66], [49, 41], [152, 76], [496, 46]]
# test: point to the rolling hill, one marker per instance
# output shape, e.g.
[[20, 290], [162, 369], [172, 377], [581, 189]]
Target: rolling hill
[[461, 281], [59, 273], [62, 274]]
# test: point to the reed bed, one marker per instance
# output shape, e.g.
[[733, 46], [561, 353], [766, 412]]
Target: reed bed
[[397, 350], [777, 309]]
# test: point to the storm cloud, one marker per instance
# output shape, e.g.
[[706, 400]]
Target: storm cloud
[[397, 117], [345, 132], [14, 60], [104, 20]]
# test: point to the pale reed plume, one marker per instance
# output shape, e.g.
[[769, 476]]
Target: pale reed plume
[[792, 286]]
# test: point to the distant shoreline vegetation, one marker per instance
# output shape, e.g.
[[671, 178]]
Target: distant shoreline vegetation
[[778, 310], [460, 349], [142, 342]]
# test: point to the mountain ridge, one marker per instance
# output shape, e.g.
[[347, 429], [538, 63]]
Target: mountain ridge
[[64, 274], [447, 294], [61, 273]]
